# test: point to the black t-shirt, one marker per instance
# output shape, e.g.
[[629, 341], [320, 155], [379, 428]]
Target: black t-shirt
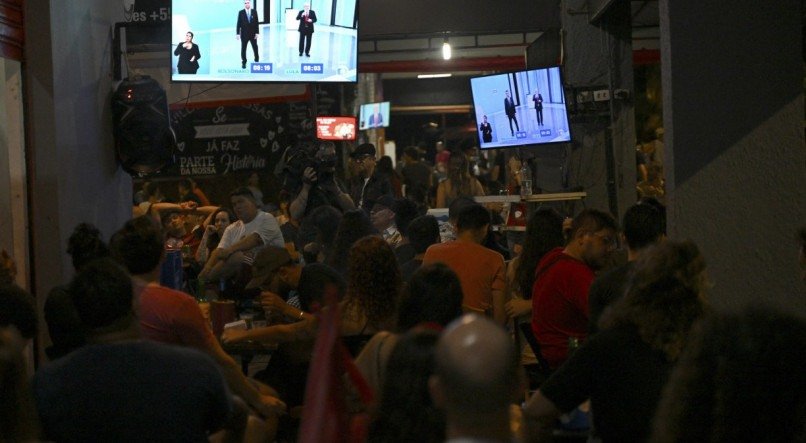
[[621, 374], [131, 391], [404, 253], [317, 196], [416, 175], [290, 232], [604, 291], [64, 326], [408, 268]]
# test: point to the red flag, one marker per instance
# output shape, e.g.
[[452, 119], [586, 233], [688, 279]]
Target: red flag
[[325, 418]]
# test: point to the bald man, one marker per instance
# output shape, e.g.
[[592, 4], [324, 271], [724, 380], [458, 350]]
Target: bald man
[[476, 378]]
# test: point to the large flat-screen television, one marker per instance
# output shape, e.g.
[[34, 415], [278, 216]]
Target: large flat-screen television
[[520, 108], [218, 41], [335, 128], [373, 115]]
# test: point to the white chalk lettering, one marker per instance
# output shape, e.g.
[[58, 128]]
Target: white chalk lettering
[[234, 163]]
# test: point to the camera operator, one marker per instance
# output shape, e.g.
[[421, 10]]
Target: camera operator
[[319, 186]]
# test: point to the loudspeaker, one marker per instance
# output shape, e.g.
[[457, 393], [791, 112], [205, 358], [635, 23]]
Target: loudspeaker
[[144, 139]]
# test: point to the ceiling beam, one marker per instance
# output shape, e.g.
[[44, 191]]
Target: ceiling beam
[[511, 63]]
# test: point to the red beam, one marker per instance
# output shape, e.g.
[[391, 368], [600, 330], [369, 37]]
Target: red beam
[[12, 36], [645, 57]]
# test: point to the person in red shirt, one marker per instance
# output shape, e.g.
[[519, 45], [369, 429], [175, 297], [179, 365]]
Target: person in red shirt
[[562, 280], [173, 317]]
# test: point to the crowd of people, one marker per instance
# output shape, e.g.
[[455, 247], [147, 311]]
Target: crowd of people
[[450, 327]]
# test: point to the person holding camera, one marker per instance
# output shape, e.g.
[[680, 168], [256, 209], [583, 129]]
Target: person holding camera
[[319, 185]]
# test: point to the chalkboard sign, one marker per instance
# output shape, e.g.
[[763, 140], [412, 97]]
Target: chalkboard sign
[[235, 139]]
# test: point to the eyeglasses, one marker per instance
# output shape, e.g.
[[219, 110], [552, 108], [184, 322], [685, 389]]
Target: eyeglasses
[[363, 159]]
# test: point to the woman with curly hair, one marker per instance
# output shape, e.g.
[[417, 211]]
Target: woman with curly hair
[[623, 368], [433, 296], [373, 284], [459, 182]]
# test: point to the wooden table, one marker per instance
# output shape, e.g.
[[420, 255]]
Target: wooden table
[[247, 350]]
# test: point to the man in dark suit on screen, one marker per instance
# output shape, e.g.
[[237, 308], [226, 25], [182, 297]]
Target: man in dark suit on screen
[[509, 110], [247, 30], [306, 19]]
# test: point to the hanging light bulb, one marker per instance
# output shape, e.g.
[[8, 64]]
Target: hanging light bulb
[[446, 49]]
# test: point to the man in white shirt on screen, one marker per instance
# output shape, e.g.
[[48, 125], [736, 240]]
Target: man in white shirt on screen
[[243, 239]]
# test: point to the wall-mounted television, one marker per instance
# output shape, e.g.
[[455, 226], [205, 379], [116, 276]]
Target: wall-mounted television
[[218, 41], [373, 115], [520, 108], [335, 128]]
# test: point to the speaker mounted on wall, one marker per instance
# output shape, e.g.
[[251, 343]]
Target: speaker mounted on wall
[[144, 140]]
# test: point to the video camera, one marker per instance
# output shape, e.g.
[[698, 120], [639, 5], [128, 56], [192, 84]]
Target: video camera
[[304, 155]]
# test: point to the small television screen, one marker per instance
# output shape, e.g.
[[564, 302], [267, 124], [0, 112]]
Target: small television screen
[[239, 41], [335, 128], [520, 108], [373, 115]]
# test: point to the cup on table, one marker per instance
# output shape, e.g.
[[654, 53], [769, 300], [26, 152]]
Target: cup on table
[[221, 313]]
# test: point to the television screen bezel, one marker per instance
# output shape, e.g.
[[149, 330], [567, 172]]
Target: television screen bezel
[[355, 134], [523, 145], [385, 123], [264, 82]]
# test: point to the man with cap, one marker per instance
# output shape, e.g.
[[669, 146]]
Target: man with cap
[[367, 186], [274, 270], [383, 219]]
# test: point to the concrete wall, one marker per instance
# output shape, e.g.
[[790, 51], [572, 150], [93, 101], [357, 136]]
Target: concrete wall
[[600, 55], [13, 205], [735, 156], [68, 85]]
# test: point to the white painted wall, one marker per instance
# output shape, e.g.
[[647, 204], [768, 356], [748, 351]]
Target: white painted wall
[[68, 84]]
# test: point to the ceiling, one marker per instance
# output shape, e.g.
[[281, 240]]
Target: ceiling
[[403, 39]]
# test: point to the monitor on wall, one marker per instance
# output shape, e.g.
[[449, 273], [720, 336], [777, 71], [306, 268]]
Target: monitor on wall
[[520, 108], [218, 41], [373, 115], [335, 128]]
